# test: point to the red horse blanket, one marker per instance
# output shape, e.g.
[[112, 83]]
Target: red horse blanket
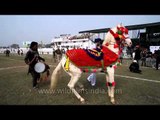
[[81, 59]]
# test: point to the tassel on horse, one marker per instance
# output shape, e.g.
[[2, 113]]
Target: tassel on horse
[[66, 66]]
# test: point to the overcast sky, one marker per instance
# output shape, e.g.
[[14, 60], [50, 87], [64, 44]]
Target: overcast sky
[[20, 28]]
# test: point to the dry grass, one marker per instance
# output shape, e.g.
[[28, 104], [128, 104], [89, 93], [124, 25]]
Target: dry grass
[[16, 87]]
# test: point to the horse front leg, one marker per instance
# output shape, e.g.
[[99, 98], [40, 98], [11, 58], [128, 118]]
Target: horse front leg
[[111, 83], [71, 84], [107, 81]]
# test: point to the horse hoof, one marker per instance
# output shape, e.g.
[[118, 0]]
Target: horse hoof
[[82, 100], [113, 101]]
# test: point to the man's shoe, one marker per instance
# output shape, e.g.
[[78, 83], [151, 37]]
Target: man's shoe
[[88, 80], [93, 85], [36, 87]]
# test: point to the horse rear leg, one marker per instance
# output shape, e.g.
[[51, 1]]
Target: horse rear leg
[[71, 84]]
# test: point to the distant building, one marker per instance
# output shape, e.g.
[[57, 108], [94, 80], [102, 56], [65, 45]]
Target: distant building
[[26, 44], [144, 34], [68, 41]]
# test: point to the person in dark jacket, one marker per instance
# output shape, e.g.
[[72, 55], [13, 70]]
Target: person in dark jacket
[[137, 56], [134, 67], [31, 58], [157, 53]]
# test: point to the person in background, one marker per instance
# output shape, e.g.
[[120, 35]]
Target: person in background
[[54, 55], [143, 57], [18, 51], [7, 53], [157, 53], [137, 56], [134, 67], [31, 58], [21, 52], [58, 54], [148, 59], [121, 56]]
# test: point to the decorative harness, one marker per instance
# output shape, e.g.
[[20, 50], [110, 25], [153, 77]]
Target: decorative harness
[[119, 37]]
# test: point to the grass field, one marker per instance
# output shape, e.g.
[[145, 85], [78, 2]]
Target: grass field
[[131, 88]]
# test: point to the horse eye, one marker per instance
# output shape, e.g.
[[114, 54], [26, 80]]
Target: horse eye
[[117, 38]]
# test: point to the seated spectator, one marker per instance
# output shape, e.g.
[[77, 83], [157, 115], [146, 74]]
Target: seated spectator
[[134, 67]]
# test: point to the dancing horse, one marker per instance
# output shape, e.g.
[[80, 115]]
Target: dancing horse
[[77, 61]]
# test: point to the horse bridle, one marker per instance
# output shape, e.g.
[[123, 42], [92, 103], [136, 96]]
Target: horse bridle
[[119, 37]]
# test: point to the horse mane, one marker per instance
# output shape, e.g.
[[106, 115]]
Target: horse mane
[[109, 37]]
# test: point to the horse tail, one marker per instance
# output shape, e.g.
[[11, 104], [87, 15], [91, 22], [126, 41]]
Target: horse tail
[[55, 76]]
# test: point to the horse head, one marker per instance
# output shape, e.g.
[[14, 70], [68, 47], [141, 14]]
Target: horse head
[[117, 37]]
